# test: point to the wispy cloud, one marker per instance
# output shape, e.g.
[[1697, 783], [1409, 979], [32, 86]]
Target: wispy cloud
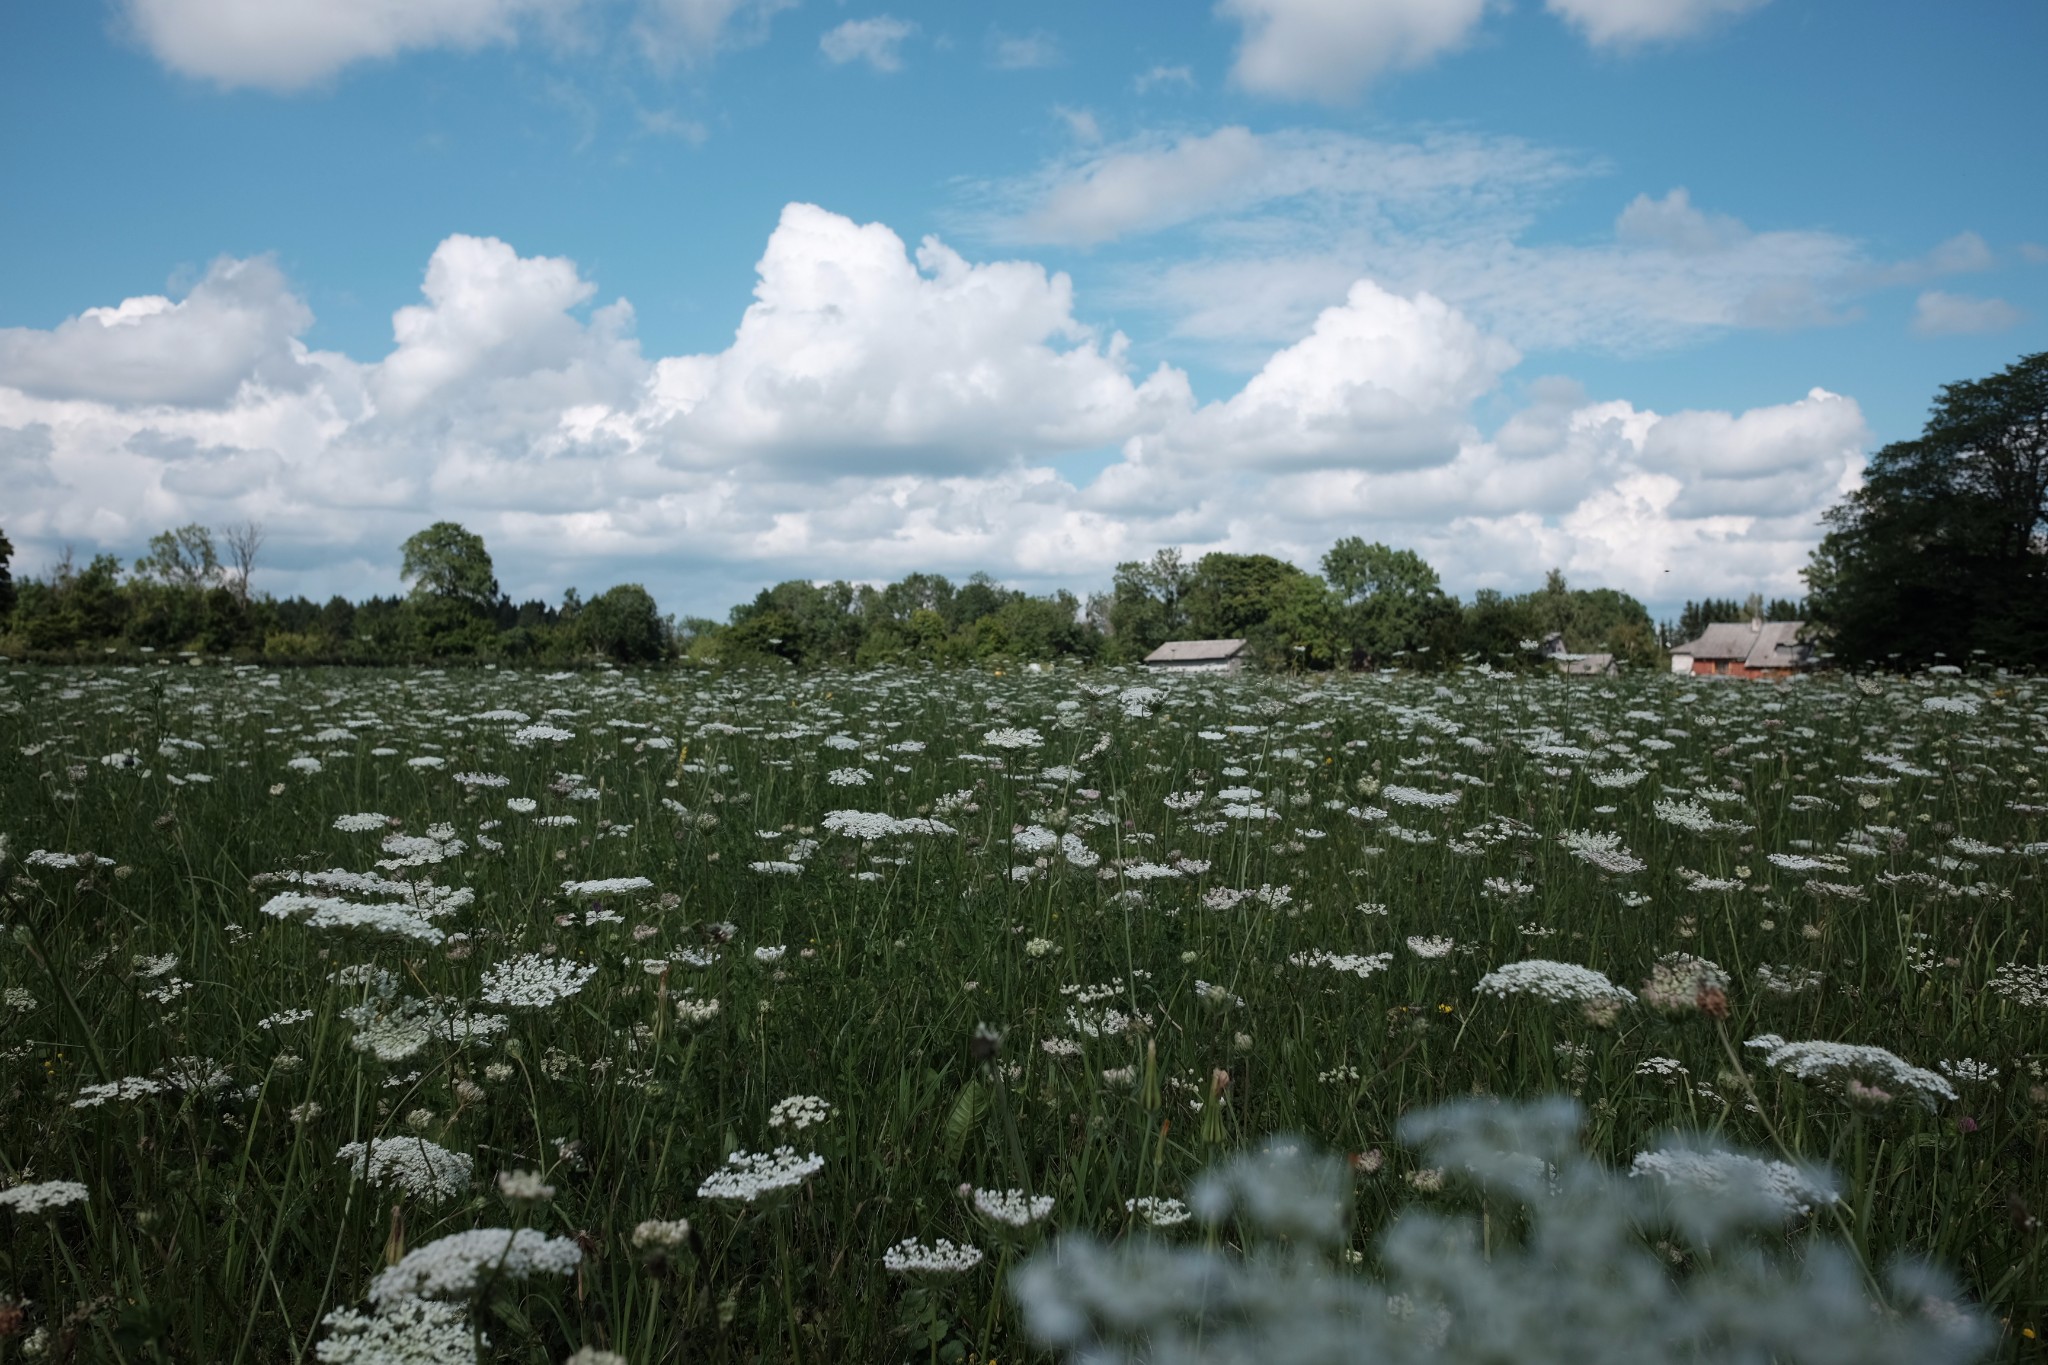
[[877, 41], [1939, 314], [1164, 78], [1626, 24], [1268, 228], [1023, 52]]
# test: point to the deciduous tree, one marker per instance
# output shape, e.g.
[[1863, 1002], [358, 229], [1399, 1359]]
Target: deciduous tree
[[1944, 549]]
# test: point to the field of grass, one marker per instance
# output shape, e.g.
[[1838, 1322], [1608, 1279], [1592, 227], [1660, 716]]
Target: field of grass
[[298, 965]]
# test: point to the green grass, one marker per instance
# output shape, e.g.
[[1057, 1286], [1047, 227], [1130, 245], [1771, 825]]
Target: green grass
[[219, 1228]]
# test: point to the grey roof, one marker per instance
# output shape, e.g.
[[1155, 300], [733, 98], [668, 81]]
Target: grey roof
[[1773, 644], [1592, 665], [1194, 651]]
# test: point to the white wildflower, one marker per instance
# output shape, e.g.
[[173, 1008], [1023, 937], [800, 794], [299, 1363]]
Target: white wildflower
[[943, 1257], [413, 1164], [462, 1264], [747, 1176], [38, 1198], [1012, 1207], [535, 982], [1558, 982], [799, 1112], [1872, 1071]]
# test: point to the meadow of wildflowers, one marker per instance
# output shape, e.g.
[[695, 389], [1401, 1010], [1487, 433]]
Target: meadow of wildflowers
[[365, 1016]]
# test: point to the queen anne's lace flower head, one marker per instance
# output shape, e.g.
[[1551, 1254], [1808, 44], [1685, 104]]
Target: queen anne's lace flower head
[[748, 1176], [1868, 1074], [1160, 1213], [943, 1257], [1416, 796], [799, 1112], [1012, 1207], [661, 1234], [1603, 851], [39, 1198], [535, 982], [1793, 1191], [868, 826], [414, 1164], [1560, 983], [607, 886], [404, 1331], [458, 1266]]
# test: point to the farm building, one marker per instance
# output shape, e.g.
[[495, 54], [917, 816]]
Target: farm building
[[1198, 656], [1752, 649], [1577, 665]]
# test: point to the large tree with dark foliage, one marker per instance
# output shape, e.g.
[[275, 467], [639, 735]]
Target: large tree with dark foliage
[[1944, 550], [1393, 603], [6, 577]]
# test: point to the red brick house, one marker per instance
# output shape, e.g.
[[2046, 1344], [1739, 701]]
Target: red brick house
[[1752, 649]]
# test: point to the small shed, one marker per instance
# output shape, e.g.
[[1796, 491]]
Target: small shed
[[1198, 656], [1577, 665], [1735, 649]]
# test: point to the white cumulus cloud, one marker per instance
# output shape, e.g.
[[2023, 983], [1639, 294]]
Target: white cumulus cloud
[[879, 409], [855, 352], [1380, 382], [289, 44], [1330, 50], [236, 324]]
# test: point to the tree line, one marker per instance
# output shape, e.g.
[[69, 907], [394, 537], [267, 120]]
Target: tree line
[[1941, 555], [191, 592], [1372, 606]]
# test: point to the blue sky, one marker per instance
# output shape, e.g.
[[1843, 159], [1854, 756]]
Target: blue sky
[[1625, 286]]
